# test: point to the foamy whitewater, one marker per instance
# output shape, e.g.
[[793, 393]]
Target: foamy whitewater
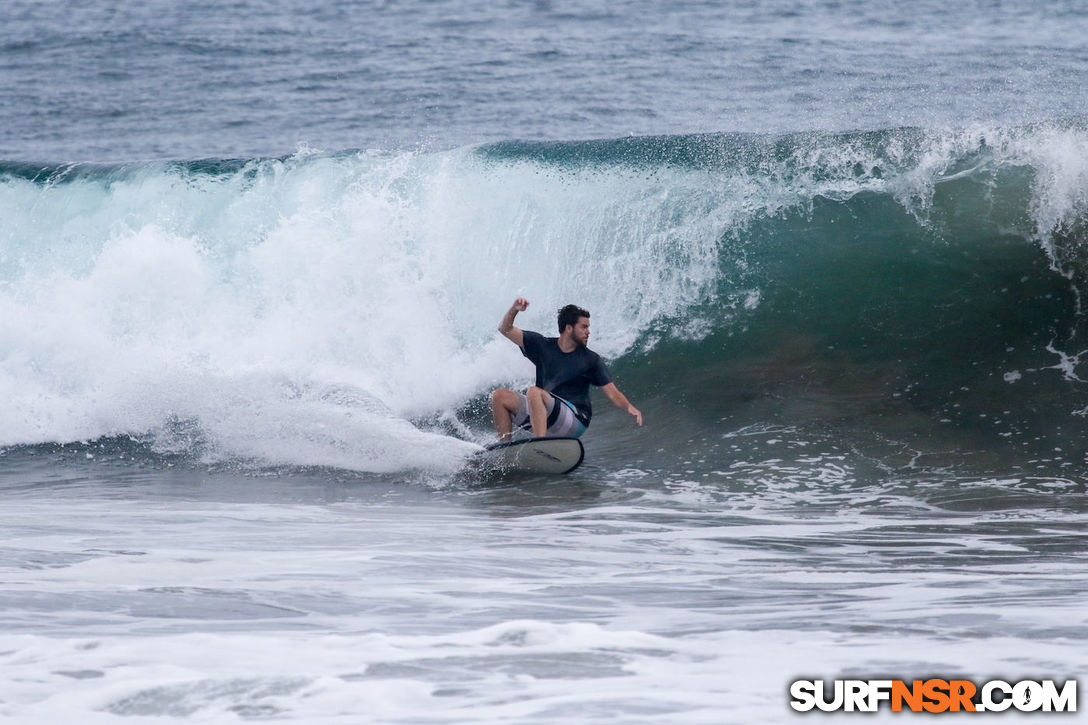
[[252, 260]]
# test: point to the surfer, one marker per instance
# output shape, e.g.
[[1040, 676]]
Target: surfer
[[558, 405]]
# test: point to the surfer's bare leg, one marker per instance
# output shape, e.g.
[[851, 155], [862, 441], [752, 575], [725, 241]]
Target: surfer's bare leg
[[504, 406], [538, 410]]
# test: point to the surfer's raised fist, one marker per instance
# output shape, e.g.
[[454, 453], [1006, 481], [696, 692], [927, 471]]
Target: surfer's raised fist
[[520, 304]]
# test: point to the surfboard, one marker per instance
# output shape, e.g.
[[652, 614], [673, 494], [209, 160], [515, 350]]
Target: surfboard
[[532, 455]]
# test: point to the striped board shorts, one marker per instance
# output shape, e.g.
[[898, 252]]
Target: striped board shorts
[[562, 422]]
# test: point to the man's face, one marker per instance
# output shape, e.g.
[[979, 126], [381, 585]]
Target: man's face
[[580, 331]]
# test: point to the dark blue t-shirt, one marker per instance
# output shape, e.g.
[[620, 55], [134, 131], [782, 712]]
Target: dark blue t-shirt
[[566, 375]]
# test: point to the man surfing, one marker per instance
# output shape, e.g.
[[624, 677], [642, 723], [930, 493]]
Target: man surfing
[[558, 405]]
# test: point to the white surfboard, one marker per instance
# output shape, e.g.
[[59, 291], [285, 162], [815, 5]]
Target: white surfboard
[[533, 455]]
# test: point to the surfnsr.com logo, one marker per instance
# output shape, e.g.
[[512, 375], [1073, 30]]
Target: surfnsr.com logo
[[933, 695]]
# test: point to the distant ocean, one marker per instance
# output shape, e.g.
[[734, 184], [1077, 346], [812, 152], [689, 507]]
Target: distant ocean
[[252, 258]]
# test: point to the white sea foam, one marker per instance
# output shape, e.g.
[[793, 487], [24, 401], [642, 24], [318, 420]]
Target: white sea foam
[[613, 613], [301, 311]]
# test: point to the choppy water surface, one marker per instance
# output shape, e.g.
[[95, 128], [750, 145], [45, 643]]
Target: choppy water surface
[[87, 81], [612, 595]]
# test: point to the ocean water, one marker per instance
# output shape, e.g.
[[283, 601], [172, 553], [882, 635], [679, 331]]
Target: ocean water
[[251, 263]]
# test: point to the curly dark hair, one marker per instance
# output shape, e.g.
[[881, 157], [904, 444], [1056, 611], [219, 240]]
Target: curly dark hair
[[569, 315]]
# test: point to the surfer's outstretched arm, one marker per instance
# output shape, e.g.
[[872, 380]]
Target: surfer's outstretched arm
[[620, 401], [506, 327]]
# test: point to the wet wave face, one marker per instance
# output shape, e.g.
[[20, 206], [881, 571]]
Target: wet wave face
[[913, 297]]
